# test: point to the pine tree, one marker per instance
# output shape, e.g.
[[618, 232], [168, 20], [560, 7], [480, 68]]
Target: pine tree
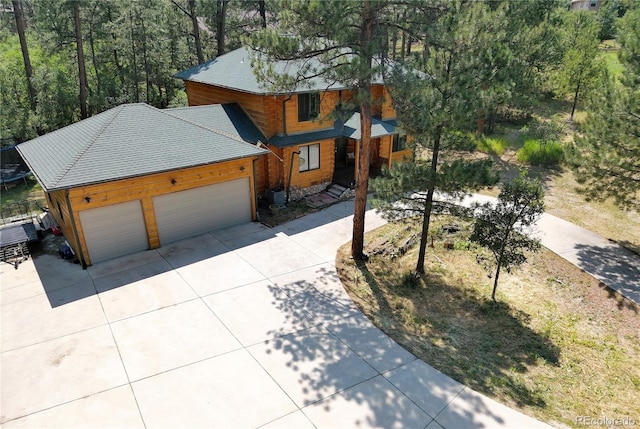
[[461, 73], [502, 229], [606, 154], [580, 68], [346, 43]]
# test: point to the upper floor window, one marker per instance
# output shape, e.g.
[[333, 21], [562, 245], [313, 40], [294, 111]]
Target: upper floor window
[[399, 142], [308, 106], [309, 157]]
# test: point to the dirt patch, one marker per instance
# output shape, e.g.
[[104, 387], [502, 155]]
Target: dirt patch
[[49, 244]]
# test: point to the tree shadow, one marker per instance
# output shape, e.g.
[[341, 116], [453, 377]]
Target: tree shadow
[[480, 343], [348, 372], [509, 169], [617, 268]]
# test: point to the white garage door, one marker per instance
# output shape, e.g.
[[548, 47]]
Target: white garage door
[[196, 211], [114, 230]]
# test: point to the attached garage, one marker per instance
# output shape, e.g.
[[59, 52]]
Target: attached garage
[[135, 177], [114, 230], [196, 211]]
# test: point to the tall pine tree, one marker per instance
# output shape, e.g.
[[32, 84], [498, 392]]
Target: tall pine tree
[[462, 69], [606, 155], [346, 43]]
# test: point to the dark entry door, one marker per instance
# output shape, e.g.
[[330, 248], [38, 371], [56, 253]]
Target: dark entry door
[[341, 151]]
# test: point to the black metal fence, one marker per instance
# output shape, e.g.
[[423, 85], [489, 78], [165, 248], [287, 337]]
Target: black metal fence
[[20, 211]]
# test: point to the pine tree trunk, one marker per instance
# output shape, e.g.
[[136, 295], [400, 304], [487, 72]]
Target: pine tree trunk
[[92, 47], [362, 177], [404, 37], [82, 72], [21, 26], [428, 206], [116, 57], [495, 281], [221, 17], [147, 68], [196, 30], [134, 62], [575, 100], [263, 12]]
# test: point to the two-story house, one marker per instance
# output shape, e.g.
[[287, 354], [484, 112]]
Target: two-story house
[[135, 177], [310, 149]]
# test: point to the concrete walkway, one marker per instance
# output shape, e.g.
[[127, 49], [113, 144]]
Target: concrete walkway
[[246, 327]]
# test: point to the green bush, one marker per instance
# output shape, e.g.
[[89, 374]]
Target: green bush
[[492, 145], [536, 152]]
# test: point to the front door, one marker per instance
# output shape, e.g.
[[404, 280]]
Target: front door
[[341, 151], [344, 164]]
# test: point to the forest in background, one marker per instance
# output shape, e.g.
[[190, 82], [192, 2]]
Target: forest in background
[[130, 52], [87, 56]]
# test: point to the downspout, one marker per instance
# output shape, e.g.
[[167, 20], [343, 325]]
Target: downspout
[[290, 173], [75, 231], [284, 129], [284, 114]]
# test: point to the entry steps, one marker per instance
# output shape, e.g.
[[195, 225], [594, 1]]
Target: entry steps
[[336, 190]]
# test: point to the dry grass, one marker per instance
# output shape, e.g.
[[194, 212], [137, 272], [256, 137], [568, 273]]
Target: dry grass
[[563, 197], [557, 344], [564, 200]]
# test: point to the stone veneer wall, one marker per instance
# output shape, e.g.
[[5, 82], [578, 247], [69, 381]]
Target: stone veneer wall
[[297, 193]]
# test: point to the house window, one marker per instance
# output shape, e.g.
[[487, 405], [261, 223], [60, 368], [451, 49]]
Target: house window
[[399, 142], [308, 106], [594, 3], [309, 157]]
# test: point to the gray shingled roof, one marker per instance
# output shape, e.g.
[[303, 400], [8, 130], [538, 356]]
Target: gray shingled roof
[[379, 128], [350, 129], [233, 70], [228, 119], [127, 141]]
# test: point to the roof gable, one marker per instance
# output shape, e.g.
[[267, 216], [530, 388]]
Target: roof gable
[[127, 141]]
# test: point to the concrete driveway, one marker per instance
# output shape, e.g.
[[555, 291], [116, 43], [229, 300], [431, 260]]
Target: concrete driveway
[[246, 327]]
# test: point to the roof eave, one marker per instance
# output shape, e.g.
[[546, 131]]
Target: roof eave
[[133, 176]]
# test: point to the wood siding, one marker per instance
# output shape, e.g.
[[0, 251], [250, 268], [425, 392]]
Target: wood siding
[[145, 188], [269, 112], [59, 208], [387, 110], [304, 179], [328, 101], [261, 109], [382, 104]]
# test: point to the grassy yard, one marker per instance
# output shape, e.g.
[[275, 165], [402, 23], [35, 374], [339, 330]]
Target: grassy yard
[[609, 53], [557, 344], [21, 191]]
